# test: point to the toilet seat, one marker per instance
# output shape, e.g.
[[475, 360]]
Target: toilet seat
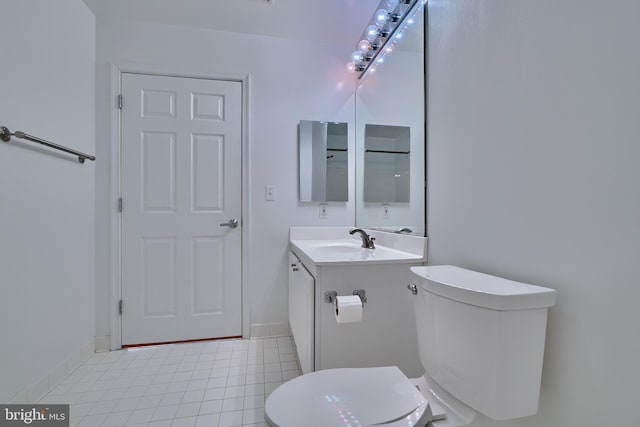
[[353, 396]]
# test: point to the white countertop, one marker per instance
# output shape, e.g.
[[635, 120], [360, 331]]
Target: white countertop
[[334, 246]]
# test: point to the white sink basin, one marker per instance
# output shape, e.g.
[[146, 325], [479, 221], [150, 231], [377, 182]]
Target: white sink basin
[[331, 247], [338, 249], [349, 251]]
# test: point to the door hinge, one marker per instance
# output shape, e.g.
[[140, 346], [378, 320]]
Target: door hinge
[[120, 204], [120, 307], [120, 100]]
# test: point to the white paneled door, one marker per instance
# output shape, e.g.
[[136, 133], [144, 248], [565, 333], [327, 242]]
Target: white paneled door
[[181, 226]]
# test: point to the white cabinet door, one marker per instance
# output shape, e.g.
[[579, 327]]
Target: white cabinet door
[[306, 288], [301, 312], [181, 179]]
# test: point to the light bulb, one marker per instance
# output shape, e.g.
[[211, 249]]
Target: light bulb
[[351, 67], [399, 35], [381, 17], [391, 4], [371, 33], [364, 46], [357, 56], [388, 49]]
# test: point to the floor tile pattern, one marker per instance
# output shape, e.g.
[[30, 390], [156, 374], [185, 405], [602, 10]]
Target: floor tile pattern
[[200, 384]]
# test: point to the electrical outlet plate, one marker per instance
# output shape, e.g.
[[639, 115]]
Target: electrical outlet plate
[[385, 211], [270, 193], [323, 211]]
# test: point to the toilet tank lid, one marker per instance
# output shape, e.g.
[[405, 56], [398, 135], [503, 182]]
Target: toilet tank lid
[[483, 290]]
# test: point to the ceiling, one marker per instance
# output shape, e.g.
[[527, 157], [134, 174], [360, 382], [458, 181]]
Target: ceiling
[[332, 21]]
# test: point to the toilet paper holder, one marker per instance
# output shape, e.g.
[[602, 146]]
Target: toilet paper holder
[[330, 296]]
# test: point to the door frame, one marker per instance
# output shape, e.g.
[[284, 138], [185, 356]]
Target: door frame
[[115, 217]]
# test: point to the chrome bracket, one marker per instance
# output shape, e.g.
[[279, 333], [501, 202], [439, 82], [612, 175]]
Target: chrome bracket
[[330, 296], [362, 294]]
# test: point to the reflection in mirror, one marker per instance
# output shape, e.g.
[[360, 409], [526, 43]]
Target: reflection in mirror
[[386, 163], [323, 156], [393, 94]]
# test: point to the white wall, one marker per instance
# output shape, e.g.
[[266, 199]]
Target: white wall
[[47, 89], [533, 148], [289, 81]]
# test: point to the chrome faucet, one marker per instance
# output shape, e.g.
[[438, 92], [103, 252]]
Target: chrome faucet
[[367, 241]]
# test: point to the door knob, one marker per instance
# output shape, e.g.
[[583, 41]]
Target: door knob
[[233, 223]]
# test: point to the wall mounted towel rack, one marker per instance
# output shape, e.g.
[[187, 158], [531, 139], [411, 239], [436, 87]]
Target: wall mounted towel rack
[[6, 134]]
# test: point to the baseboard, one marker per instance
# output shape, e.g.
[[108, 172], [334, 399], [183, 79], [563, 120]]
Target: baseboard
[[264, 330], [37, 390], [103, 343]]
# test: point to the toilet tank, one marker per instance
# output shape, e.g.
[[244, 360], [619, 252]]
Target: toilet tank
[[482, 338]]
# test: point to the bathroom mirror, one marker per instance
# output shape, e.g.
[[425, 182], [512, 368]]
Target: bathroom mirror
[[390, 139], [387, 163], [323, 161]]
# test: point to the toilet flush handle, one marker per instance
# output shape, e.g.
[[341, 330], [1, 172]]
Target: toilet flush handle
[[413, 288]]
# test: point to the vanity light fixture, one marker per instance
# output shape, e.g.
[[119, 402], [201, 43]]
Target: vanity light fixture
[[386, 28]]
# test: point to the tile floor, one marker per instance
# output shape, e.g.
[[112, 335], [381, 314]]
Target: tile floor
[[209, 383]]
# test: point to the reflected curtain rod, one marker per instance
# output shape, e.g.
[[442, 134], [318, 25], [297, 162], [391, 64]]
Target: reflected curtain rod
[[6, 134], [386, 152]]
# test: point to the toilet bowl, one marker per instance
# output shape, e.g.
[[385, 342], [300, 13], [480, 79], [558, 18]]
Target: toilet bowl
[[481, 340], [354, 396]]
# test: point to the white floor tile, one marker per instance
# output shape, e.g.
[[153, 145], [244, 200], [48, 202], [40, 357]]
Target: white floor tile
[[193, 396], [252, 416], [202, 384], [211, 407], [188, 410], [93, 420], [228, 419], [195, 385], [254, 389], [234, 391], [214, 394], [208, 420], [164, 412], [254, 402], [151, 401], [141, 416], [233, 404], [117, 419], [184, 422]]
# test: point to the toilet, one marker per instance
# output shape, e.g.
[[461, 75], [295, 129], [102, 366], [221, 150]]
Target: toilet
[[481, 343]]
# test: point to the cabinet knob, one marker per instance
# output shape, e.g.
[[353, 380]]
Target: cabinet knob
[[413, 288]]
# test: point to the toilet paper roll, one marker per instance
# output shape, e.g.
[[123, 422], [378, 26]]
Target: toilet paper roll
[[348, 309]]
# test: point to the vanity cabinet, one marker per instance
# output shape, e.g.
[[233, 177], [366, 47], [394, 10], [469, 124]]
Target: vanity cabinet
[[386, 336], [301, 312]]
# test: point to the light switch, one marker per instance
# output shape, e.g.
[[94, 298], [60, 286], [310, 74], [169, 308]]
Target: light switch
[[270, 193]]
